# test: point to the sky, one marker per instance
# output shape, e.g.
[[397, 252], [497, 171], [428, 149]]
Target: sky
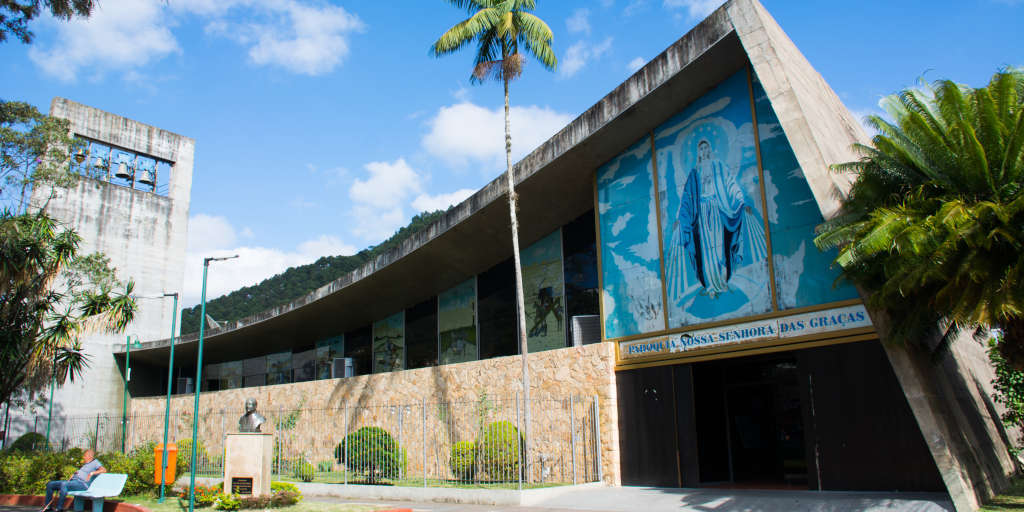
[[323, 127]]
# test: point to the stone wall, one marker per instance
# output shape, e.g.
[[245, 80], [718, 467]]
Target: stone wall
[[439, 405]]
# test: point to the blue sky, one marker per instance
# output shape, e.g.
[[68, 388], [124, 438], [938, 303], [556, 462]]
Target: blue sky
[[322, 127]]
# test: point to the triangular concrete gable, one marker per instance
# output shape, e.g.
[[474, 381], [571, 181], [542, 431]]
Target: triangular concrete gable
[[819, 128]]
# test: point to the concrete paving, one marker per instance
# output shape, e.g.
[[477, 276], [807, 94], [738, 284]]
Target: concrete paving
[[650, 499]]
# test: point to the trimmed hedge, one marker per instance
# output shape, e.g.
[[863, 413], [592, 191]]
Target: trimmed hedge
[[29, 442], [373, 452], [499, 449], [463, 460]]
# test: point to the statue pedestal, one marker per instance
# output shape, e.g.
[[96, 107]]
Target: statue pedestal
[[247, 458]]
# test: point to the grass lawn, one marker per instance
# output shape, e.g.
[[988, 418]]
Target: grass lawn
[[1011, 499], [171, 505]]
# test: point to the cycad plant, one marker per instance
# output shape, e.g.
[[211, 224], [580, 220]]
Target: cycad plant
[[933, 226], [502, 30], [49, 298]]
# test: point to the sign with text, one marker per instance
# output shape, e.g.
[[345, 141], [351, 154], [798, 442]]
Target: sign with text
[[240, 485], [791, 326]]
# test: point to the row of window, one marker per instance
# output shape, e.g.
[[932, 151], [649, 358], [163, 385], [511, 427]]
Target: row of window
[[475, 319], [121, 166]]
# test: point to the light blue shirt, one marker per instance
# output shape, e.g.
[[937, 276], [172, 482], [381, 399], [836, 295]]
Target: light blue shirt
[[83, 473]]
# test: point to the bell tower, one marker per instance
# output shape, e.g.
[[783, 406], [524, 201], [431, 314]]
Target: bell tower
[[131, 204]]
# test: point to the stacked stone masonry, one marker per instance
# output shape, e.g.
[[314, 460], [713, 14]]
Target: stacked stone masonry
[[582, 373]]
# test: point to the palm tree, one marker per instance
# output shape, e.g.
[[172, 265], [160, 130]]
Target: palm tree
[[500, 28], [933, 227]]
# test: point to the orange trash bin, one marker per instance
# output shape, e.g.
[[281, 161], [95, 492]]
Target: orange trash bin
[[172, 459]]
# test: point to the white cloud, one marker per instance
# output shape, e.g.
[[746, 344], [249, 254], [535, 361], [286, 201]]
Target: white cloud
[[388, 185], [313, 43], [429, 203], [467, 133], [120, 35], [636, 64], [696, 9], [578, 22], [577, 56], [210, 235], [380, 199], [301, 36]]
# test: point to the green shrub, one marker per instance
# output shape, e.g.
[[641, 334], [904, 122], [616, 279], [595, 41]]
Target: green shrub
[[225, 501], [185, 447], [463, 460], [205, 496], [303, 470], [284, 486], [1009, 391], [261, 501], [29, 442], [27, 473], [324, 466], [499, 449], [46, 466], [139, 465], [14, 474], [373, 452], [285, 498]]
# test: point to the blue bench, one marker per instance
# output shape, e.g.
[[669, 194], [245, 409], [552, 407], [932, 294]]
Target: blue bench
[[106, 485]]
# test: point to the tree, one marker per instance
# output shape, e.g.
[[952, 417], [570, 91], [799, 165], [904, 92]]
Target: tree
[[933, 226], [15, 14], [34, 148], [499, 28], [49, 297], [49, 294]]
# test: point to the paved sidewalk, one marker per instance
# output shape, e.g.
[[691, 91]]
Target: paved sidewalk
[[650, 499]]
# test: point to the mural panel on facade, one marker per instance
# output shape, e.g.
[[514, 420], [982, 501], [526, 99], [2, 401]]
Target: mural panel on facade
[[631, 275], [231, 375], [326, 351], [804, 275], [727, 225], [389, 343], [544, 293], [456, 322], [715, 248], [279, 368]]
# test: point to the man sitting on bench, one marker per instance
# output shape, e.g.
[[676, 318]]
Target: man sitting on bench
[[79, 481]]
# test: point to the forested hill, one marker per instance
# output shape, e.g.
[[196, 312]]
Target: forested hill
[[296, 281]]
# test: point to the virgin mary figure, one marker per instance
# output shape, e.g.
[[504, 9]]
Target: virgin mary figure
[[714, 222]]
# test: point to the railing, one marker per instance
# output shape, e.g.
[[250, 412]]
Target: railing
[[480, 443]]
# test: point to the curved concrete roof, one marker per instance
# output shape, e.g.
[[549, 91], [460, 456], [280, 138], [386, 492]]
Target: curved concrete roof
[[555, 185]]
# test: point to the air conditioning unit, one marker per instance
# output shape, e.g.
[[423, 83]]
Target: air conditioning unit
[[343, 367], [586, 329], [184, 385]]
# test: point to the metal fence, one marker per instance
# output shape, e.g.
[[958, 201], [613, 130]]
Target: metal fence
[[480, 443]]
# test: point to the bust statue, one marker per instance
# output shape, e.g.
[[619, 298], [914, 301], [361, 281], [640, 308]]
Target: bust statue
[[251, 420]]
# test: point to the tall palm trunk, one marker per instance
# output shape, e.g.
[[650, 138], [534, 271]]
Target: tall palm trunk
[[523, 348]]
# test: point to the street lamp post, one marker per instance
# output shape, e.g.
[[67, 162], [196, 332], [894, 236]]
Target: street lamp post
[[198, 384], [170, 382], [127, 377]]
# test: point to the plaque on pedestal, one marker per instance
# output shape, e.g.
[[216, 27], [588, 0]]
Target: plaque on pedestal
[[247, 458]]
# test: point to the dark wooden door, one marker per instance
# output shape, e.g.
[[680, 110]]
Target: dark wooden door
[[647, 433]]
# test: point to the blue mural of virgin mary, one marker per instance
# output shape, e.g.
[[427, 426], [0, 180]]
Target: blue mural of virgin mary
[[715, 248], [712, 220]]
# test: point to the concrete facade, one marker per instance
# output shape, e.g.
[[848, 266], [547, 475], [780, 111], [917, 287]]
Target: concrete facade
[[950, 401], [143, 234]]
